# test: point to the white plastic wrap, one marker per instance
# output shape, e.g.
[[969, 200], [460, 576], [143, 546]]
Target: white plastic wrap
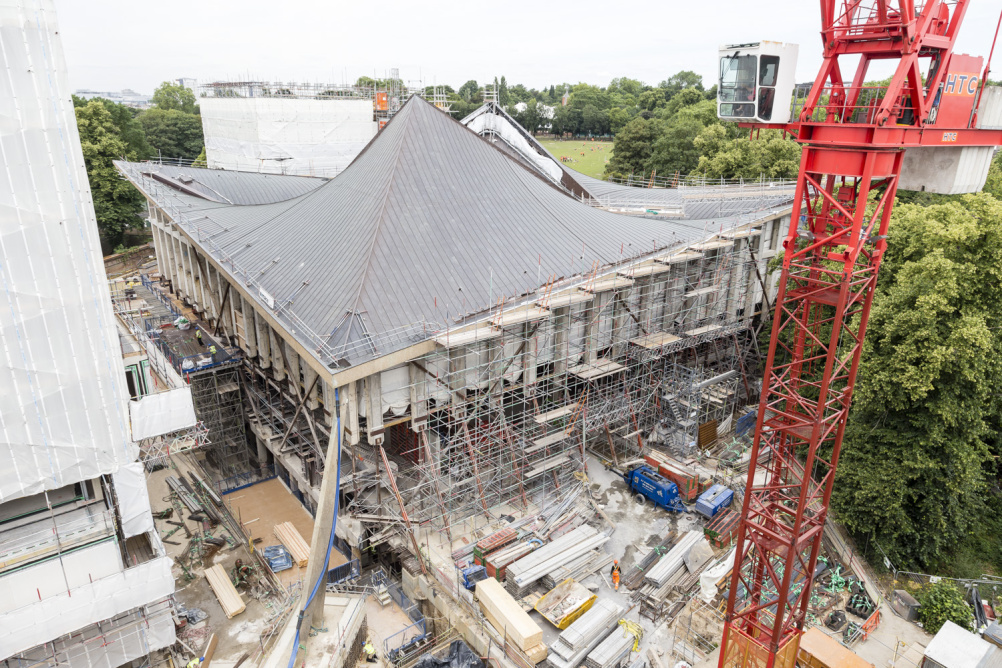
[[501, 126], [63, 412], [708, 578], [162, 413], [284, 135], [56, 616], [395, 388], [133, 500]]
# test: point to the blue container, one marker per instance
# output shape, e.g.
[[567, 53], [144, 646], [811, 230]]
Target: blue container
[[713, 500], [652, 485]]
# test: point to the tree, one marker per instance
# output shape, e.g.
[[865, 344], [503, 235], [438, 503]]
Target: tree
[[173, 133], [584, 94], [618, 117], [503, 93], [680, 81], [632, 149], [553, 94], [469, 91], [993, 186], [652, 100], [170, 96], [770, 155], [675, 151], [129, 127], [116, 202], [918, 459], [941, 602]]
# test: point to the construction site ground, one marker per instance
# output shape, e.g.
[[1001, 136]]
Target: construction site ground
[[243, 632]]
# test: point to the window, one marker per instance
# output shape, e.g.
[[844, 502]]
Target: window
[[766, 96], [737, 78], [768, 66]]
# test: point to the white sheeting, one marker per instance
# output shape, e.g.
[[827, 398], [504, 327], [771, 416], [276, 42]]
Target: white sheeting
[[394, 384], [162, 413], [133, 500], [499, 125], [39, 622], [63, 404], [708, 578], [283, 135]]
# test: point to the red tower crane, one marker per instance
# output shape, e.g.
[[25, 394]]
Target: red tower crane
[[860, 143]]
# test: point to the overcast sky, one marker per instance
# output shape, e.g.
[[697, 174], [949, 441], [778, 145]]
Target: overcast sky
[[116, 44]]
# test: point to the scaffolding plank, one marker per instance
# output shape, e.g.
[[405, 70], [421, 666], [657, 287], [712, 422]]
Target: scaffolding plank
[[556, 413], [566, 298], [646, 269], [675, 258], [520, 316], [702, 330], [468, 336], [224, 388], [548, 440], [698, 292], [654, 340], [740, 234], [600, 368], [606, 283], [712, 244], [229, 597], [547, 464]]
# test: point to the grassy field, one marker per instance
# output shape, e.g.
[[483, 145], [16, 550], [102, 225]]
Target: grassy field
[[592, 163]]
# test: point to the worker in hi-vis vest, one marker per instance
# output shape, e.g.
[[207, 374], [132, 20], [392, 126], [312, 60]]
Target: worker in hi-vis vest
[[615, 574]]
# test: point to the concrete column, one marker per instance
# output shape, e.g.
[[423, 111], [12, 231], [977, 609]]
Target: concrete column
[[591, 315], [619, 321], [189, 276], [322, 527], [293, 368], [374, 409], [261, 329], [277, 363], [309, 374], [561, 333], [349, 412], [327, 396], [250, 325], [419, 399], [530, 357]]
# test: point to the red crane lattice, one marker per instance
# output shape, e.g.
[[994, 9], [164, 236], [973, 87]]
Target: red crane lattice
[[854, 139]]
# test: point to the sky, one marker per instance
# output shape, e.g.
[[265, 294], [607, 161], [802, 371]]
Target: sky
[[116, 44]]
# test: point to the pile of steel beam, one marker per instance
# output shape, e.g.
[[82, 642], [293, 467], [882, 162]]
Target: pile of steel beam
[[673, 561], [579, 569], [522, 575], [584, 635], [612, 651]]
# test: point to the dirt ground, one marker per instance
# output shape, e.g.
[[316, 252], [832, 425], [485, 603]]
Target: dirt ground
[[384, 622], [260, 507]]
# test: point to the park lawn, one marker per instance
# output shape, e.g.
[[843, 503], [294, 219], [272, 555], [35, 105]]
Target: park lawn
[[592, 163]]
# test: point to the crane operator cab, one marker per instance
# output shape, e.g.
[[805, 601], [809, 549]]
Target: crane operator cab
[[756, 82]]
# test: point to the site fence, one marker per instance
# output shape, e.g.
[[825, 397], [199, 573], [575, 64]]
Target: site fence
[[242, 480]]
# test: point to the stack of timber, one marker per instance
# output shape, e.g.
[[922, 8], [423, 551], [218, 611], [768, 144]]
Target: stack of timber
[[584, 635], [636, 575], [723, 528], [523, 575], [690, 484], [299, 549], [612, 651], [495, 541], [497, 562], [229, 598], [673, 561], [510, 620], [579, 569]]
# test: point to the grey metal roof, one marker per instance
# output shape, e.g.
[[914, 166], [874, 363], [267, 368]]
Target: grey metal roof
[[692, 199], [224, 186], [429, 224]]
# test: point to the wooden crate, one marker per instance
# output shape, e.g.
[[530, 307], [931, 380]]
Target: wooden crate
[[507, 616], [299, 549], [229, 597]]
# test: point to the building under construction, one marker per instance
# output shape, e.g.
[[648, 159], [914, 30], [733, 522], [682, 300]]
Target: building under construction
[[474, 325], [478, 324]]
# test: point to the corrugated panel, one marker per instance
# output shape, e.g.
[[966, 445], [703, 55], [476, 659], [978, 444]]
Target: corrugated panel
[[428, 224]]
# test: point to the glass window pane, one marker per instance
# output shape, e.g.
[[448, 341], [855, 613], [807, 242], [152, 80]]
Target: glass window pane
[[767, 70], [737, 78], [766, 96]]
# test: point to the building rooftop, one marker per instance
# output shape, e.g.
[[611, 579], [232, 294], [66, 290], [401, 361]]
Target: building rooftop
[[428, 227]]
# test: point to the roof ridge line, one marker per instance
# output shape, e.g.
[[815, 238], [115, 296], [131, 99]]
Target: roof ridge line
[[381, 216]]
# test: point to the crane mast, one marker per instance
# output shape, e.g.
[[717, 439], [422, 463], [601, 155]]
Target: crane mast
[[854, 139]]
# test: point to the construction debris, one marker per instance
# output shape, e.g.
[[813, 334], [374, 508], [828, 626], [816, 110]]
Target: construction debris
[[584, 635]]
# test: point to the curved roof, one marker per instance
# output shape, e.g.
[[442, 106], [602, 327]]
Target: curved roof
[[429, 224]]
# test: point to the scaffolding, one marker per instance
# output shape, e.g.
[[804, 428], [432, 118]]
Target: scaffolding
[[502, 414], [219, 406]]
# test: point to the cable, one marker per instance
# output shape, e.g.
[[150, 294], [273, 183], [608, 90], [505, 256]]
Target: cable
[[330, 542]]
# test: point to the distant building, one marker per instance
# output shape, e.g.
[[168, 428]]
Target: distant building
[[275, 128], [126, 96], [191, 83]]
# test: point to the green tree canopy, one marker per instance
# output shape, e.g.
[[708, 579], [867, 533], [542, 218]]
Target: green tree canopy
[[916, 462], [675, 150], [633, 147], [171, 96], [173, 133], [769, 155], [116, 202], [941, 602]]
